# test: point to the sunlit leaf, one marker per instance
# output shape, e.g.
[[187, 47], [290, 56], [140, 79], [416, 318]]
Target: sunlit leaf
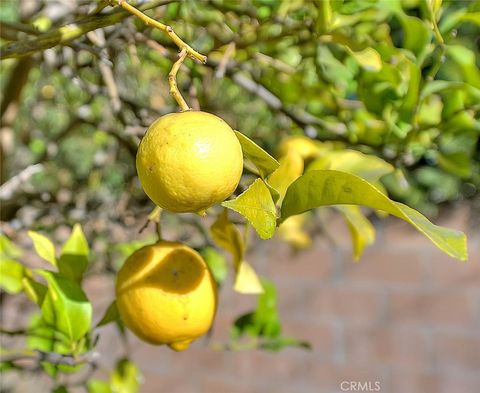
[[369, 167], [34, 290], [126, 377], [361, 229], [8, 248], [73, 260], [246, 279], [368, 58], [291, 167], [256, 205], [327, 187], [11, 275], [44, 247], [65, 307], [263, 162], [98, 386]]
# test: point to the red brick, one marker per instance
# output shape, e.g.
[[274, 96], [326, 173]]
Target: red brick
[[444, 271], [457, 352], [383, 266], [415, 382], [400, 348], [449, 383], [437, 308], [328, 378], [348, 304], [311, 264]]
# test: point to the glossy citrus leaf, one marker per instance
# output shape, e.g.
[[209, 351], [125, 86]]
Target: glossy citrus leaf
[[44, 247], [256, 205], [11, 275], [369, 167], [8, 248], [263, 162], [361, 229], [291, 167], [327, 187], [73, 260], [65, 307], [34, 290]]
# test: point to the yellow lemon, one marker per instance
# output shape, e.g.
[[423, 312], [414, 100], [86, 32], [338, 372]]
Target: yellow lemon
[[189, 161], [166, 294]]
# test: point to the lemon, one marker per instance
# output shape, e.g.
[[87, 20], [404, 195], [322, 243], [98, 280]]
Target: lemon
[[189, 161], [166, 294]]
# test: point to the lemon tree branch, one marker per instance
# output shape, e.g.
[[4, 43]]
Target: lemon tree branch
[[165, 28], [172, 81]]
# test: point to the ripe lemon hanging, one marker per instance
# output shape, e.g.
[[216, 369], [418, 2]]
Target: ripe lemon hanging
[[189, 161], [166, 294]]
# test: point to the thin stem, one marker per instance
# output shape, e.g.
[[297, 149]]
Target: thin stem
[[172, 81], [166, 29]]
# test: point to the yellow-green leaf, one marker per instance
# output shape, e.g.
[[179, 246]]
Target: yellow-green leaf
[[263, 162], [326, 187], [226, 235], [291, 167], [256, 205], [369, 167], [11, 274], [74, 257], [44, 247], [361, 229], [34, 290], [368, 58], [292, 232], [246, 280]]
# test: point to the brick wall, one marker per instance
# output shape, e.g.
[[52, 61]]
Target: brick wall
[[406, 316]]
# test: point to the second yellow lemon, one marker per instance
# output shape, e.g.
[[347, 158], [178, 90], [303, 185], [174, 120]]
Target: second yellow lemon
[[166, 294], [189, 161]]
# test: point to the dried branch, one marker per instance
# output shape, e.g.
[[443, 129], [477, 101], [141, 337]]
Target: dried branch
[[64, 34]]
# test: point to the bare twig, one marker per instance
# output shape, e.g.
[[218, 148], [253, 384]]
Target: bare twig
[[69, 32], [172, 81]]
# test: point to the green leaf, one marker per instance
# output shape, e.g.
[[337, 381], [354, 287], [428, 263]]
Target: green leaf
[[65, 307], [126, 377], [291, 167], [11, 275], [74, 257], [368, 58], [34, 290], [44, 247], [369, 167], [417, 35], [216, 262], [256, 205], [263, 162], [111, 315], [60, 389], [361, 229], [278, 343], [8, 248], [98, 386], [327, 187]]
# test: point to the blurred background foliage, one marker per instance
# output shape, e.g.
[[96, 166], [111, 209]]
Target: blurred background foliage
[[398, 79]]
